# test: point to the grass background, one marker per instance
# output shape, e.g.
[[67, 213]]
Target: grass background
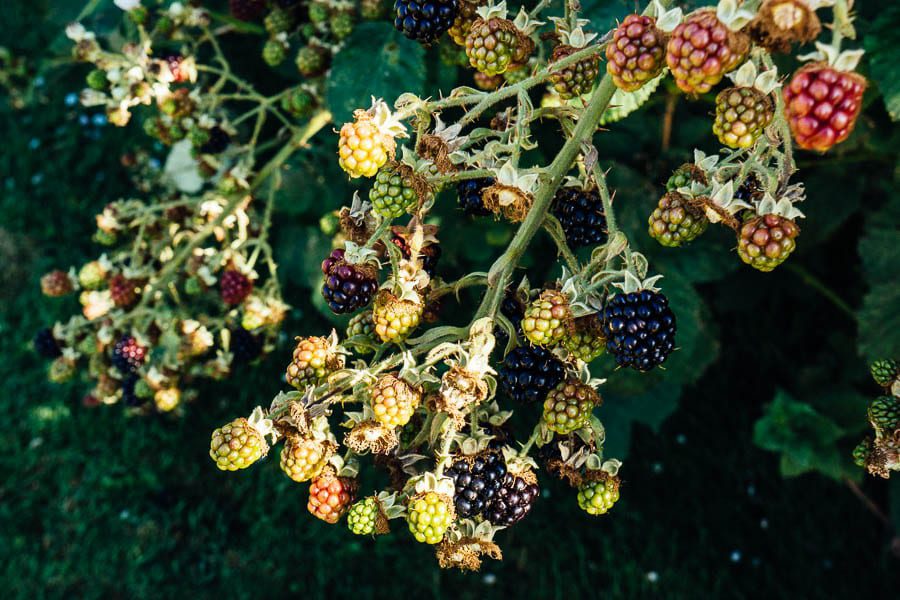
[[94, 504]]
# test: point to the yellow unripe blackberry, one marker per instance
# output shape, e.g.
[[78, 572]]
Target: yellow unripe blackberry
[[394, 401], [237, 445], [429, 517]]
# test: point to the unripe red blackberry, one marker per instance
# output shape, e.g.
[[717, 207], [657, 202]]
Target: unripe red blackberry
[[702, 50], [568, 406], [348, 286], [675, 221], [636, 54], [574, 80], [822, 105], [330, 496], [742, 114], [764, 242], [586, 342], [56, 284], [304, 458], [234, 287]]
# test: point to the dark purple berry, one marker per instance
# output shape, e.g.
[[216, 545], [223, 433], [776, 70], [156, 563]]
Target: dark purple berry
[[245, 347], [581, 215], [45, 344], [529, 373], [639, 328], [348, 287], [512, 502], [128, 355], [477, 480], [129, 397], [425, 20], [470, 196], [217, 142]]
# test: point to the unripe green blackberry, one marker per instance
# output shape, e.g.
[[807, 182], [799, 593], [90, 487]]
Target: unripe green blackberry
[[491, 45], [362, 325], [764, 242], [393, 192], [884, 372], [341, 24], [274, 53], [372, 9], [318, 12], [298, 102], [429, 516], [237, 445], [92, 275], [278, 21], [364, 516], [884, 413], [547, 319], [742, 114], [675, 221], [312, 60], [597, 497], [569, 405], [61, 370], [684, 175], [586, 342], [861, 452], [516, 75], [574, 80], [96, 80]]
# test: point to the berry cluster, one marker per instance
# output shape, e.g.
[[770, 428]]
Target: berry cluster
[[880, 454]]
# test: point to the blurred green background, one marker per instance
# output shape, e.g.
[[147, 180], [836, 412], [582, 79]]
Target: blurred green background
[[726, 493]]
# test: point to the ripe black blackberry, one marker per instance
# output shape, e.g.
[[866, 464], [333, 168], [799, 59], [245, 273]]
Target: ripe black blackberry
[[639, 328], [513, 309], [470, 198], [477, 479], [751, 190], [424, 20], [217, 142], [245, 347], [348, 287], [128, 355], [45, 344], [513, 500], [529, 373], [581, 215]]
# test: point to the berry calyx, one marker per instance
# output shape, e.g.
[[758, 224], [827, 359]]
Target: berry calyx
[[237, 445], [764, 242], [639, 328], [529, 373], [568, 406], [675, 221]]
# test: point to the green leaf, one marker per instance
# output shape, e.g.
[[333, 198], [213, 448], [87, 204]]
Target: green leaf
[[378, 61], [882, 43], [804, 437], [879, 316]]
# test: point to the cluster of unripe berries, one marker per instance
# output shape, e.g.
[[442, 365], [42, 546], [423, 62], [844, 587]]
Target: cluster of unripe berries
[[880, 454]]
